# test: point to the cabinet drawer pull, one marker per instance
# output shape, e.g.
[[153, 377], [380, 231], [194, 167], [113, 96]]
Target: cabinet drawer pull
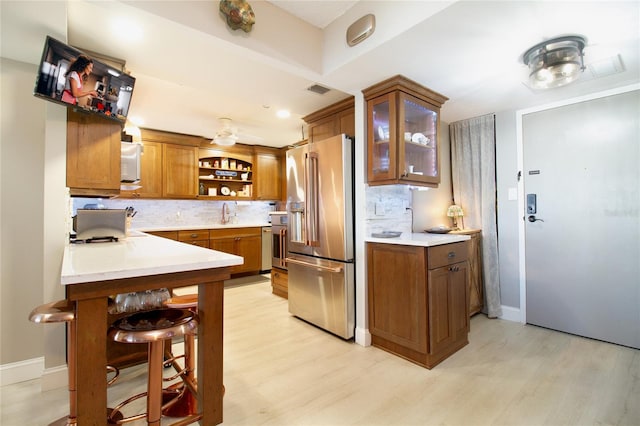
[[451, 254], [194, 235], [454, 268]]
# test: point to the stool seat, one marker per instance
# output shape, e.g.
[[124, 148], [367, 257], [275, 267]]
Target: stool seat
[[59, 311], [186, 301], [153, 327]]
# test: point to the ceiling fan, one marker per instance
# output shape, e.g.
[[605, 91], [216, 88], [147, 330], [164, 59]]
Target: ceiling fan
[[228, 134]]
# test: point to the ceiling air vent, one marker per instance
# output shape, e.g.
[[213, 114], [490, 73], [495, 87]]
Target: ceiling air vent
[[316, 88]]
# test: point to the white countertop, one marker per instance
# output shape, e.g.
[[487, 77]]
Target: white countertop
[[258, 224], [422, 239], [138, 255]]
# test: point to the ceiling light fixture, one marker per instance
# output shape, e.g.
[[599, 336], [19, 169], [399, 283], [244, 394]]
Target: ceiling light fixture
[[555, 62], [226, 140]]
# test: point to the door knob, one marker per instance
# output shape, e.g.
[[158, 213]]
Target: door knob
[[532, 218]]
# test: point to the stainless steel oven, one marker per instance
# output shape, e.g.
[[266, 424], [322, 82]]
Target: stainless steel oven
[[279, 239]]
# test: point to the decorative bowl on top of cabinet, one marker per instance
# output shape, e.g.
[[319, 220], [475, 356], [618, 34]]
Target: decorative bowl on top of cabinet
[[402, 133]]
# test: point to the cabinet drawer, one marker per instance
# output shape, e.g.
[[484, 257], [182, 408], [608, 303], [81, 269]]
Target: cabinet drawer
[[201, 243], [280, 277], [187, 236], [172, 235], [235, 232], [447, 254]]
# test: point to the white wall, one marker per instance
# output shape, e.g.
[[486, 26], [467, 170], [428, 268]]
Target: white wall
[[508, 220], [22, 149]]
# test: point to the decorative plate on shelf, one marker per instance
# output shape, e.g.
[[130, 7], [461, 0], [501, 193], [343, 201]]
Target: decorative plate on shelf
[[438, 230], [419, 138], [224, 190]]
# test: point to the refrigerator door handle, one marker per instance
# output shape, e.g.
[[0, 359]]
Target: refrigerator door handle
[[283, 254], [312, 200], [337, 269]]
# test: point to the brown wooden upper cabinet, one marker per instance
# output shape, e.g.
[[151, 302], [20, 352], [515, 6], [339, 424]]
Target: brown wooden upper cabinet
[[93, 155], [333, 120], [168, 166], [150, 185], [403, 145], [268, 174]]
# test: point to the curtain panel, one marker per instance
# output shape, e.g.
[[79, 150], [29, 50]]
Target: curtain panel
[[473, 173]]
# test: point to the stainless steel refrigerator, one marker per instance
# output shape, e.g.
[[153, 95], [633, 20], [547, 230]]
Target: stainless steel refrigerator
[[320, 234]]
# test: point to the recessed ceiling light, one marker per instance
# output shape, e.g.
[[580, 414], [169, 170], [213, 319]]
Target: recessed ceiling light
[[283, 113]]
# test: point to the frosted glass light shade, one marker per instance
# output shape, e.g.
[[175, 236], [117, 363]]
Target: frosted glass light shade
[[555, 62]]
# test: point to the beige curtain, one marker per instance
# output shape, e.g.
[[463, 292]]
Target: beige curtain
[[473, 170]]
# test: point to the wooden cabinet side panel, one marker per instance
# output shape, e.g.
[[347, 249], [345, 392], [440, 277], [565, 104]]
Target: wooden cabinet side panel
[[397, 294], [476, 286]]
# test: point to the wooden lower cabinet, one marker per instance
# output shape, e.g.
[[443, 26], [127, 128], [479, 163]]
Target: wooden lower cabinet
[[280, 282], [476, 281], [245, 242], [418, 300]]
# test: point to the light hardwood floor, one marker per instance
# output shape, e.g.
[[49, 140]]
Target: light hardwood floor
[[281, 371]]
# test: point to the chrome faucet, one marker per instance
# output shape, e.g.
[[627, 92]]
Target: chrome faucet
[[225, 213]]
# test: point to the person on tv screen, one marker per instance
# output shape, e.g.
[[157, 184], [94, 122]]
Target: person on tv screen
[[77, 73]]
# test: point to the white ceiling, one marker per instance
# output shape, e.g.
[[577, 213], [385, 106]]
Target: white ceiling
[[191, 69]]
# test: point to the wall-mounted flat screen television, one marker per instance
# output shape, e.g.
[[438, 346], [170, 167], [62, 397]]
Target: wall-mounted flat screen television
[[70, 77]]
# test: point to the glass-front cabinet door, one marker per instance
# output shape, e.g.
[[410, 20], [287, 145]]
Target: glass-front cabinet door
[[382, 136], [402, 133], [418, 141]]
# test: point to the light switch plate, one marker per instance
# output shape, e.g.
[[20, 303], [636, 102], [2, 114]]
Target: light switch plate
[[513, 194]]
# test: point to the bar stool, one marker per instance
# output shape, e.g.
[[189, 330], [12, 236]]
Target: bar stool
[[153, 327], [63, 311], [186, 403]]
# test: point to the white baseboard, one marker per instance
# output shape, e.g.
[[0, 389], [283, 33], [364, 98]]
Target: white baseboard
[[510, 313], [21, 371], [363, 337], [54, 378]]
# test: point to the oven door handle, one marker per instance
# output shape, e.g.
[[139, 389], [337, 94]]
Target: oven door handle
[[283, 252], [336, 269]]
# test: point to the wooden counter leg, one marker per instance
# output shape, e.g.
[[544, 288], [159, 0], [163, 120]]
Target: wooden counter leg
[[210, 350], [91, 361]]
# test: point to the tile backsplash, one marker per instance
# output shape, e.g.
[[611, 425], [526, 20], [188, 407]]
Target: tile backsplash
[[163, 213], [388, 209]]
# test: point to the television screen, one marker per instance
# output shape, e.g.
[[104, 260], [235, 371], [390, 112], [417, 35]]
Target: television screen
[[72, 78]]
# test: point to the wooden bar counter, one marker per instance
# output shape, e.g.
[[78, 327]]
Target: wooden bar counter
[[92, 272]]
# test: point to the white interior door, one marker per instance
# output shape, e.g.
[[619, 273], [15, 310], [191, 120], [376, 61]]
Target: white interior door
[[582, 161]]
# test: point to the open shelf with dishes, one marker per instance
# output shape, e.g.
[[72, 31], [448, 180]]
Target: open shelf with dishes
[[225, 177]]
